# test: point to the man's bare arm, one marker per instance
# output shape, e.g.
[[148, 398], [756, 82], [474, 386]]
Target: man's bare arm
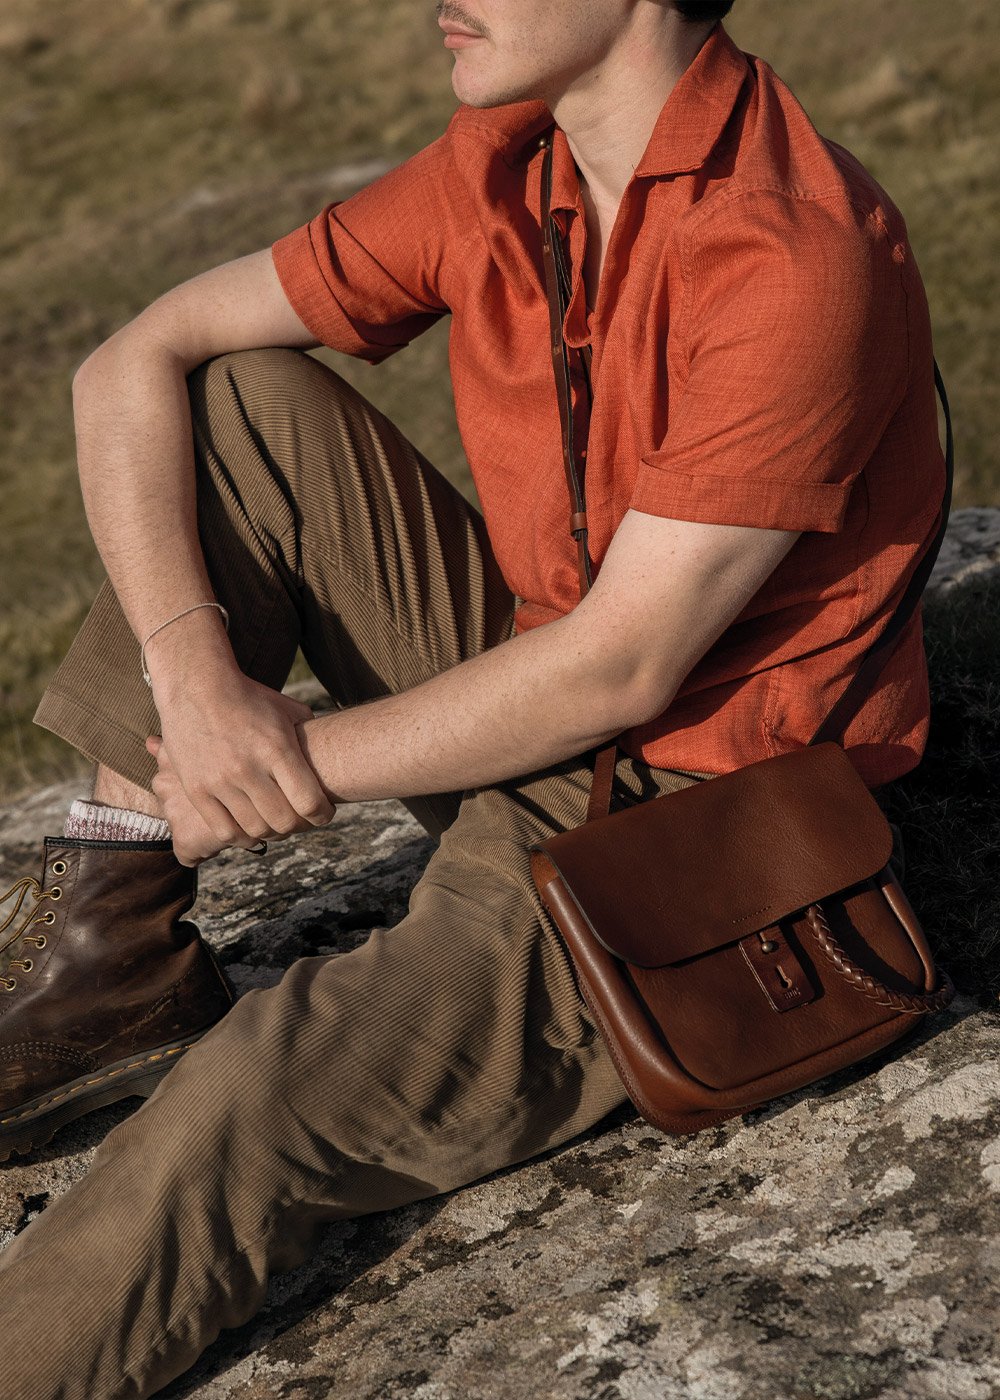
[[134, 439], [665, 592], [136, 461], [238, 768]]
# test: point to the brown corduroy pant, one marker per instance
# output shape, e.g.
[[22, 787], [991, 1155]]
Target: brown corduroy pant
[[441, 1050]]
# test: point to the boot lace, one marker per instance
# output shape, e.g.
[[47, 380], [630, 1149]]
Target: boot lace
[[23, 915]]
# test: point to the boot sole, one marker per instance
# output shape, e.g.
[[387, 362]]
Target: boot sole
[[32, 1124]]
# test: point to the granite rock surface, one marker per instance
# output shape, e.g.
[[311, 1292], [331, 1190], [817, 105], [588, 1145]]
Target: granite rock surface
[[842, 1243]]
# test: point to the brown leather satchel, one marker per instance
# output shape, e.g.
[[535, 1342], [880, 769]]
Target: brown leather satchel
[[746, 935]]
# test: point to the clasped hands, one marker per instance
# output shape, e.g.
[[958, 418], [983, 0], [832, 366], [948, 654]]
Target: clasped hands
[[233, 772]]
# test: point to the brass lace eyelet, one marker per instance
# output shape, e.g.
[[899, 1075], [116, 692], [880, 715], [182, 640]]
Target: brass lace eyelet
[[55, 894], [49, 918], [25, 964], [8, 983], [38, 939], [59, 867]]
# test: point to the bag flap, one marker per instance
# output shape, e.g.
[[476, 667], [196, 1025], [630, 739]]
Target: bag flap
[[695, 869]]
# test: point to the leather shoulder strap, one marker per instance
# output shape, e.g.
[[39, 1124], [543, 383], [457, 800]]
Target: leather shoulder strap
[[557, 288]]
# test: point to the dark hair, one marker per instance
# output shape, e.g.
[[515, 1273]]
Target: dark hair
[[701, 11]]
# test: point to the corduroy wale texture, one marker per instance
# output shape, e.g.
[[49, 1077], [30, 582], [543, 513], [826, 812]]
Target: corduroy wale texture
[[762, 356], [445, 1048]]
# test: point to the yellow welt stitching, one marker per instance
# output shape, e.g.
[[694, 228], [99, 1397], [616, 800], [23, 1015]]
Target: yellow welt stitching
[[109, 1074]]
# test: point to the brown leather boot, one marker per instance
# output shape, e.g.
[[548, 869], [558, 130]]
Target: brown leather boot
[[102, 985]]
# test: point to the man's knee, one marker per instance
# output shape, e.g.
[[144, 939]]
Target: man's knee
[[259, 388], [265, 429]]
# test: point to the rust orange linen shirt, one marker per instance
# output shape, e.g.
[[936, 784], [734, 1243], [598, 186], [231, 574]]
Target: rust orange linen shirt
[[761, 354]]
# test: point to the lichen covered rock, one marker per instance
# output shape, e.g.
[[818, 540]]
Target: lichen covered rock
[[842, 1243]]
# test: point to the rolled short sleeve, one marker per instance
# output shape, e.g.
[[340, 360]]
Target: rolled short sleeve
[[794, 339], [365, 274]]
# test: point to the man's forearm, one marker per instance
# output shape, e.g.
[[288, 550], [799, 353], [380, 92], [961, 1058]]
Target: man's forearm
[[527, 703], [666, 591], [136, 453], [136, 461]]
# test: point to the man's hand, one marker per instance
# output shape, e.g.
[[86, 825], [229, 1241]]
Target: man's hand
[[231, 770]]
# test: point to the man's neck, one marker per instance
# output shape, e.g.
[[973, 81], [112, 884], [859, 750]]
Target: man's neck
[[608, 115]]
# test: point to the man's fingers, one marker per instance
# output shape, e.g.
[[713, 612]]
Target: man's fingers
[[193, 840], [304, 792], [295, 709], [221, 823], [263, 811], [244, 782]]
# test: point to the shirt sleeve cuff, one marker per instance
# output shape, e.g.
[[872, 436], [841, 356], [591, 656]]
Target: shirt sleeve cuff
[[312, 299], [769, 503]]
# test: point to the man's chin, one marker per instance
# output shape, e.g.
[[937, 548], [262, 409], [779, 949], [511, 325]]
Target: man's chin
[[481, 94]]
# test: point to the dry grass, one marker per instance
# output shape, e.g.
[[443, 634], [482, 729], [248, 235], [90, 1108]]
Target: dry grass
[[144, 140]]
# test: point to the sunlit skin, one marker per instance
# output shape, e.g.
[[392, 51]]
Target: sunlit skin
[[604, 68], [237, 761]]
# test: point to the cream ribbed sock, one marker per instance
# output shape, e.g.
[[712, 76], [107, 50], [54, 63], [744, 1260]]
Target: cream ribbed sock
[[93, 821]]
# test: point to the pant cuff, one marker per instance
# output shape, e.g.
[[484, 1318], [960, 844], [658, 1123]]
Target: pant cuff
[[97, 737]]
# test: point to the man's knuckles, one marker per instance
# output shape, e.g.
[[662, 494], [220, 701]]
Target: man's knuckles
[[317, 811], [227, 832], [259, 831]]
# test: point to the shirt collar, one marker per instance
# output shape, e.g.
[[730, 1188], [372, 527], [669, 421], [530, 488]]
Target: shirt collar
[[694, 114], [689, 124]]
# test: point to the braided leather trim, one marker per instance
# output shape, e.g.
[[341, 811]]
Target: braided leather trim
[[910, 1004]]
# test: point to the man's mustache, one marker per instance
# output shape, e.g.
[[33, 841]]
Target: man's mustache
[[446, 9]]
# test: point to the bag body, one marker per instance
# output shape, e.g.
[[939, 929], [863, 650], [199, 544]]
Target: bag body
[[739, 939]]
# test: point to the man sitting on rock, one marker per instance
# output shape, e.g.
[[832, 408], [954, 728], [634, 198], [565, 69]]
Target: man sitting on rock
[[762, 474]]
